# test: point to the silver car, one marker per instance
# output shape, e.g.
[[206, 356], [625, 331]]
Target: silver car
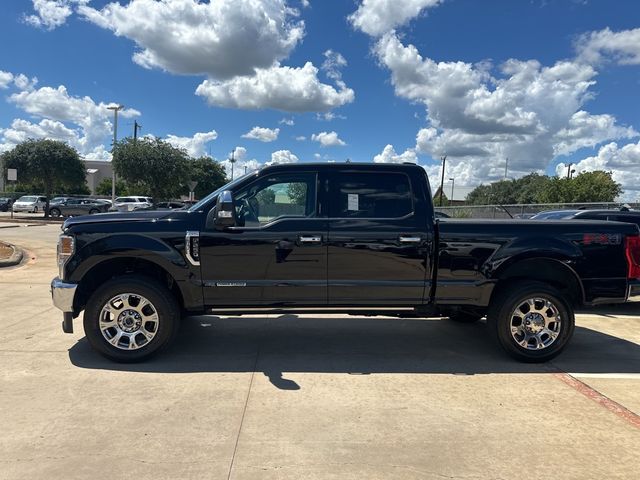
[[68, 207], [30, 203]]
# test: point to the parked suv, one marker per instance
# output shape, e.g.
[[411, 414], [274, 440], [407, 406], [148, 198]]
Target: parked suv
[[76, 206], [129, 204], [30, 203]]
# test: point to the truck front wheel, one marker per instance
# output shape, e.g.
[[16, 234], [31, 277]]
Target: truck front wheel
[[532, 321], [130, 318]]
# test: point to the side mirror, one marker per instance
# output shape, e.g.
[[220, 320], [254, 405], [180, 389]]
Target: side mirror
[[224, 211]]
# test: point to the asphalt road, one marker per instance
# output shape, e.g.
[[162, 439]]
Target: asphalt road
[[293, 397]]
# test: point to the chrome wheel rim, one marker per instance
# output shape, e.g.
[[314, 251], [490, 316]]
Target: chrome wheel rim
[[129, 321], [535, 323]]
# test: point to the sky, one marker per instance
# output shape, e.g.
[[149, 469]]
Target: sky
[[499, 87]]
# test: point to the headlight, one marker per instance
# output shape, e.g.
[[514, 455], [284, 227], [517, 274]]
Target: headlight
[[66, 248]]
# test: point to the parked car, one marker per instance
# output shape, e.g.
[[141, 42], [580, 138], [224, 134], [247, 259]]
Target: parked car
[[621, 215], [131, 203], [345, 238], [30, 203], [441, 215], [5, 204], [76, 206]]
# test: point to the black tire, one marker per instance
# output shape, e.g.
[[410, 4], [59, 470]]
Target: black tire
[[501, 318], [55, 212], [162, 301], [93, 211]]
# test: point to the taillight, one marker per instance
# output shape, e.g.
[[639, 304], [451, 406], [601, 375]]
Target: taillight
[[632, 250]]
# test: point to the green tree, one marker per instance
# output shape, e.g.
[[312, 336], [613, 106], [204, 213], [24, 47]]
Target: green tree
[[50, 164], [266, 197], [104, 188], [209, 174], [297, 193], [152, 165], [597, 186]]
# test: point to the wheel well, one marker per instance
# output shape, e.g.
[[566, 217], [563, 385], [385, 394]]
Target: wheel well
[[117, 267], [547, 270]]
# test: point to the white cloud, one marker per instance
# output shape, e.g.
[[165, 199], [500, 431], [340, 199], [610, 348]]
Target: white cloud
[[389, 155], [376, 17], [529, 113], [195, 145], [80, 121], [282, 156], [242, 163], [623, 162], [287, 121], [301, 138], [622, 47], [262, 134], [50, 14], [281, 88], [23, 82], [223, 39], [586, 130], [305, 3], [328, 139], [5, 79], [333, 62]]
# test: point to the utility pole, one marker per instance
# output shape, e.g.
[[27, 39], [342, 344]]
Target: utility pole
[[116, 109], [136, 127], [444, 162], [506, 168], [232, 160], [453, 184], [569, 171]]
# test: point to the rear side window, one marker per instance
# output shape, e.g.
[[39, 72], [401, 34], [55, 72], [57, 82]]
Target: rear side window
[[370, 195]]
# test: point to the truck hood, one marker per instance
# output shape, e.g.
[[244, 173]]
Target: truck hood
[[135, 216]]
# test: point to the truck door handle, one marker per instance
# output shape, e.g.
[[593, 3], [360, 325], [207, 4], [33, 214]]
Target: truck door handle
[[310, 239], [409, 239]]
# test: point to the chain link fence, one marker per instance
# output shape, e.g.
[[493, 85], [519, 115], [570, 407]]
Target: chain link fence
[[523, 210]]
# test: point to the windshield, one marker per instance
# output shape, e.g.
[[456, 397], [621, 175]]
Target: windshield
[[228, 186], [28, 199]]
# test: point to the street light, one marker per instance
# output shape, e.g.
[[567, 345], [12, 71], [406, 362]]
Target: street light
[[116, 109], [453, 183], [232, 160]]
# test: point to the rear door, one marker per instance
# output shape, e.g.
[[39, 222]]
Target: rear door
[[379, 238]]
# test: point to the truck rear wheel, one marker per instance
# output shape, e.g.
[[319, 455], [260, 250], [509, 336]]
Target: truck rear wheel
[[532, 321], [130, 318]]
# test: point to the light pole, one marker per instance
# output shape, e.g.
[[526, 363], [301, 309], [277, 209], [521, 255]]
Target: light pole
[[116, 109], [233, 161], [444, 162], [569, 171], [453, 184]]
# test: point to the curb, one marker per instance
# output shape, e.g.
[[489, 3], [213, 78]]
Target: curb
[[14, 259]]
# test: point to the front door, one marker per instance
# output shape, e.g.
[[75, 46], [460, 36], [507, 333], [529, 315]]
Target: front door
[[379, 240], [276, 255]]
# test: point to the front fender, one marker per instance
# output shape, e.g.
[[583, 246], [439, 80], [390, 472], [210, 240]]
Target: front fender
[[91, 253]]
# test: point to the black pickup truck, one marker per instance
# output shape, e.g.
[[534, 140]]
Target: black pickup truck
[[336, 238]]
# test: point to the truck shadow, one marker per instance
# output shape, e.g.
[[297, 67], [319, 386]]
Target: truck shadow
[[359, 346]]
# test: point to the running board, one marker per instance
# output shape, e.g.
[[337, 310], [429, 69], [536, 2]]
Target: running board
[[366, 312]]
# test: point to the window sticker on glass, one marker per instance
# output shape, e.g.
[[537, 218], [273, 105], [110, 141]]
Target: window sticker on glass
[[352, 201]]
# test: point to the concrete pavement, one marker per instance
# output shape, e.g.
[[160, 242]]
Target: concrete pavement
[[308, 397]]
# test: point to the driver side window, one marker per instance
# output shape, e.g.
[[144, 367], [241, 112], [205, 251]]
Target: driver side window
[[275, 196]]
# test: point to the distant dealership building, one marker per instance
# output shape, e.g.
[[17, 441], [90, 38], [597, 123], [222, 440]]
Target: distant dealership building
[[97, 170]]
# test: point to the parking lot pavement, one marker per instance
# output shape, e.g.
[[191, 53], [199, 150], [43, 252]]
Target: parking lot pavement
[[309, 397]]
